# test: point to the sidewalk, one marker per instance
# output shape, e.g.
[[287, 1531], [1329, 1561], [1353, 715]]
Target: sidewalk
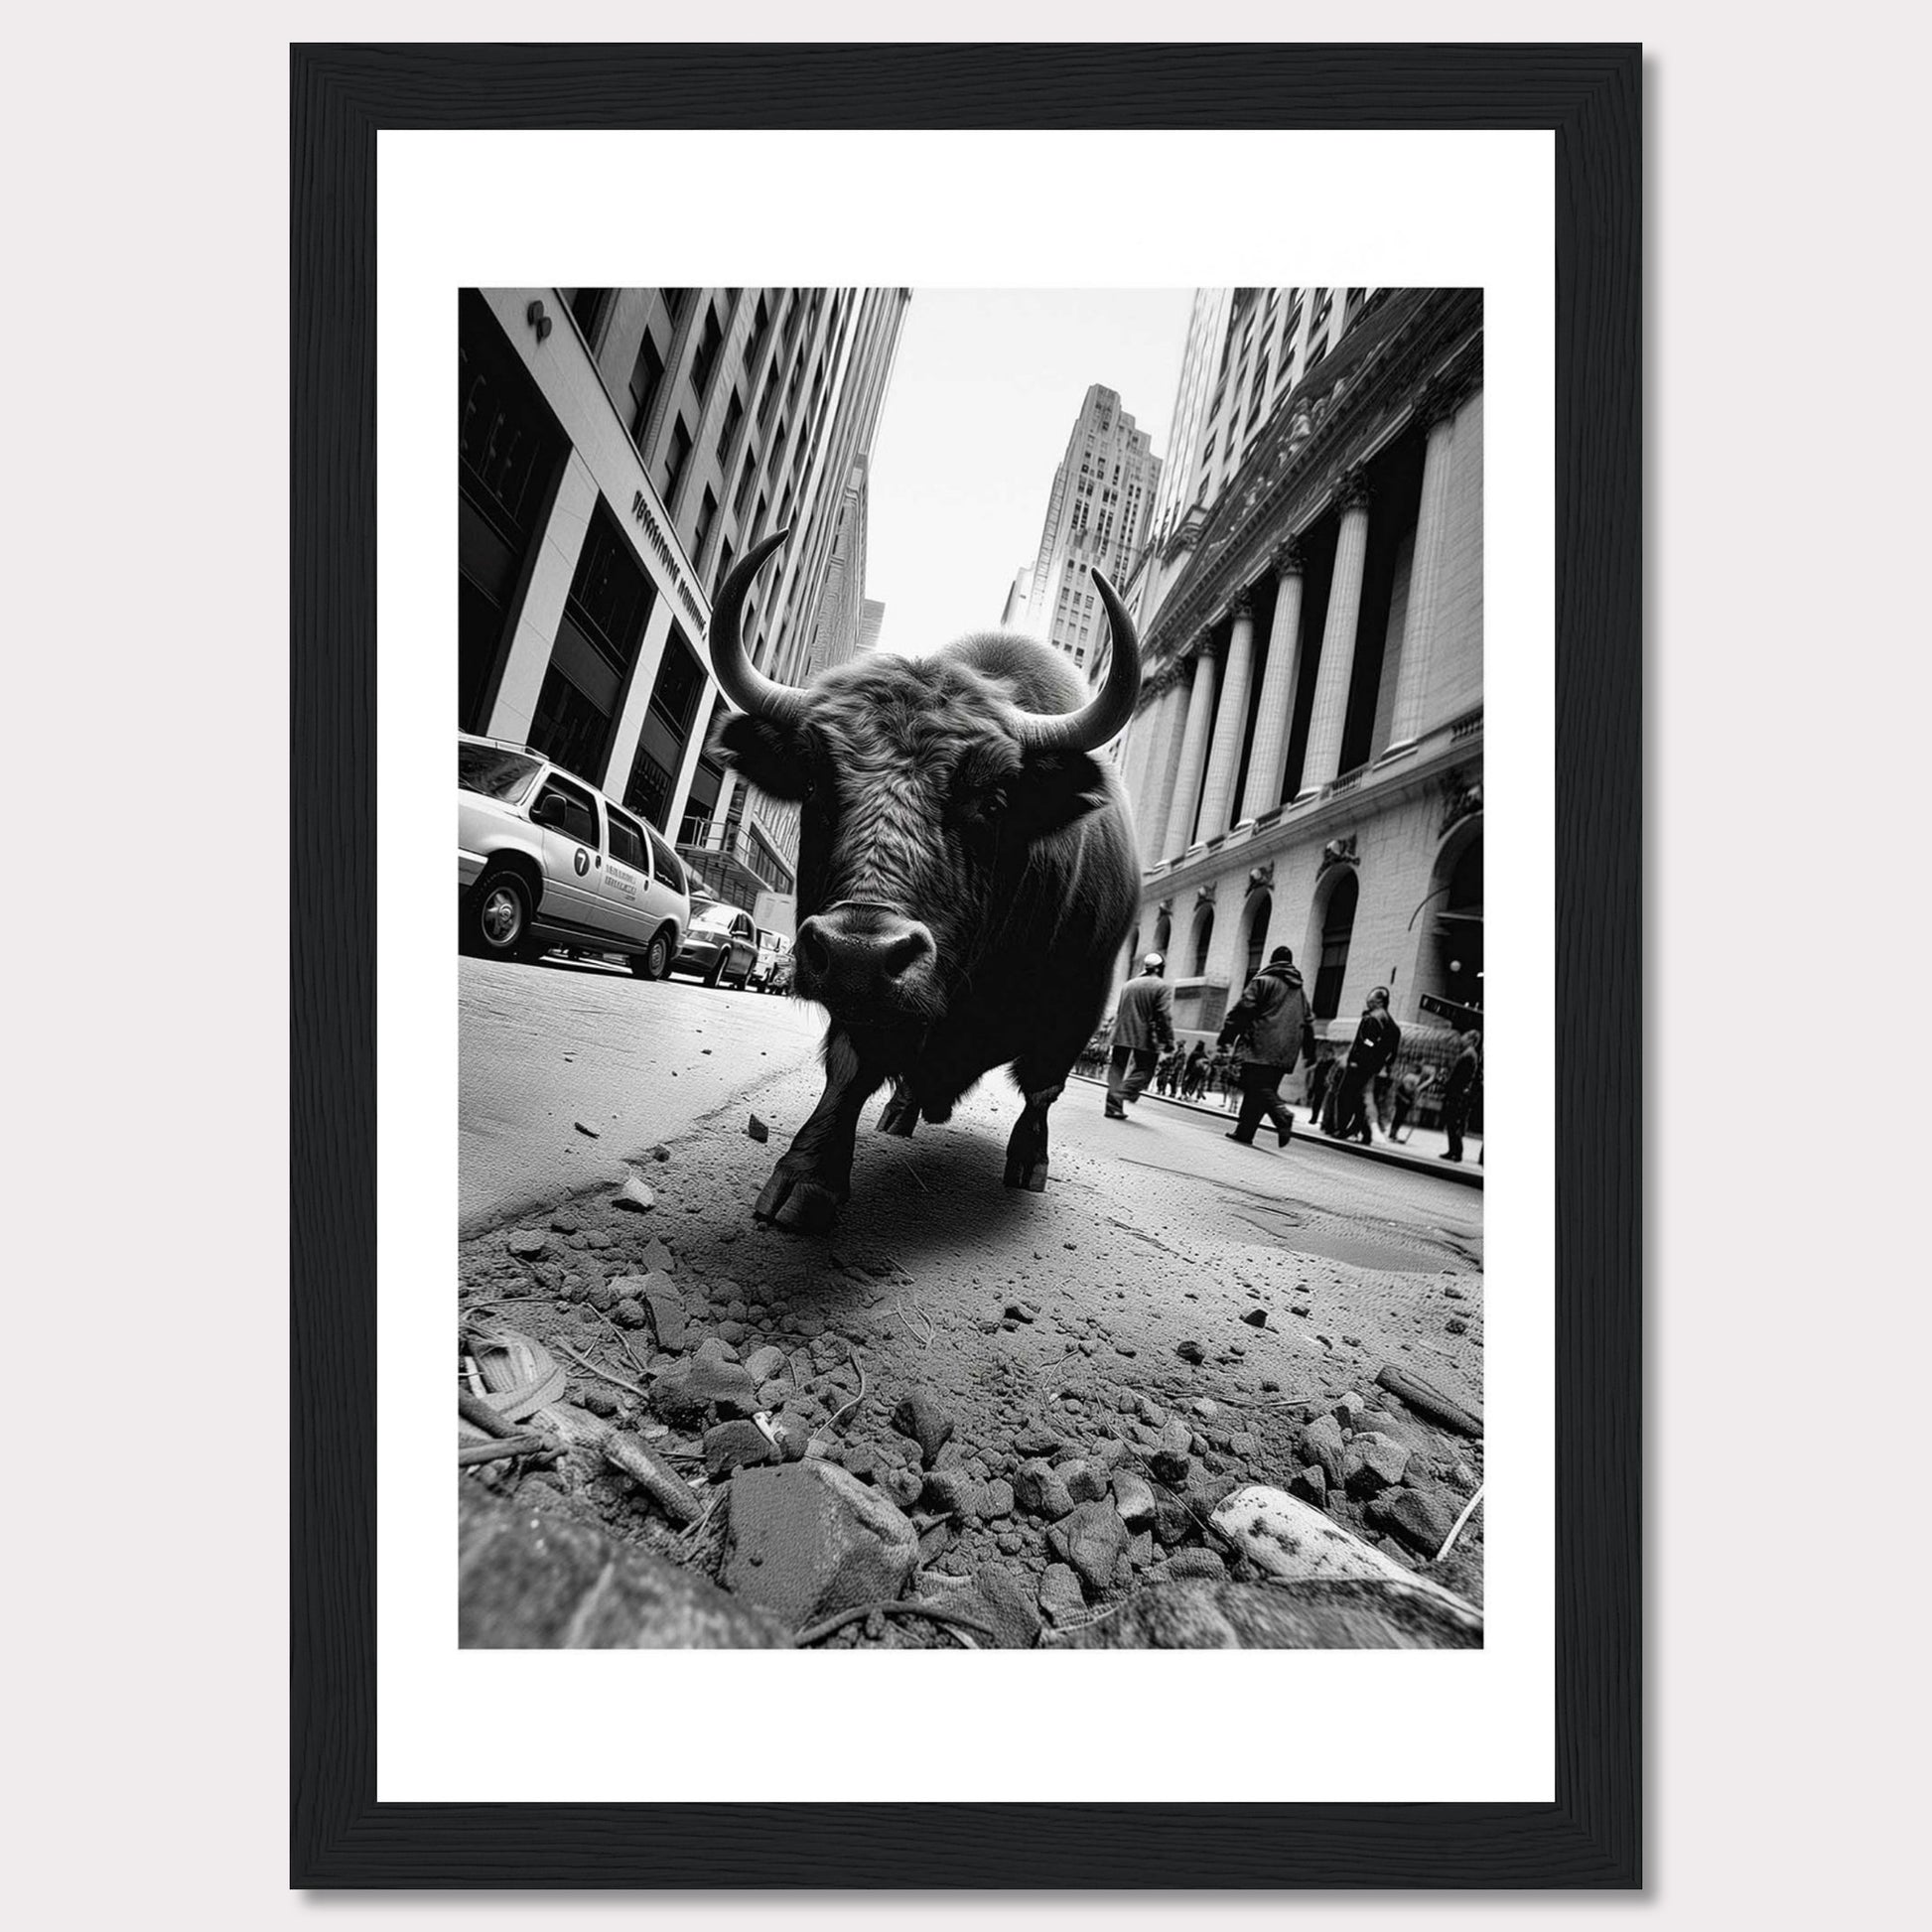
[[1418, 1151]]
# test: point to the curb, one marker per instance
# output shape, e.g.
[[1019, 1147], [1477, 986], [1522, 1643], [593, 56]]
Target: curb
[[1460, 1175]]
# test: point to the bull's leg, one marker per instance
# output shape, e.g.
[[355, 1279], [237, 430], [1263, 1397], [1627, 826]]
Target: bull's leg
[[1026, 1150], [814, 1174], [900, 1114]]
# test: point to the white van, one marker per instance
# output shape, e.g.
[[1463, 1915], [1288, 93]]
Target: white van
[[545, 860]]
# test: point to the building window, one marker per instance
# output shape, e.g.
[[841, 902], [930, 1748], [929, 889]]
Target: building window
[[666, 732], [734, 415], [760, 322], [646, 378], [742, 493], [674, 301], [675, 458], [1337, 929], [1352, 307], [706, 358], [1204, 936], [585, 306], [723, 569], [707, 515]]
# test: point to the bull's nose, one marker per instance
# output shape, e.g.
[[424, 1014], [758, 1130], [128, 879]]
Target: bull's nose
[[861, 956]]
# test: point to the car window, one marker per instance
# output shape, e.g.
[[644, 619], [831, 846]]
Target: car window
[[580, 810], [670, 868], [626, 840], [495, 772]]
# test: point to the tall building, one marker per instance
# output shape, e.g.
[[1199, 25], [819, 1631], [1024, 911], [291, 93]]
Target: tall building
[[1097, 517], [841, 605], [739, 841], [1305, 762], [872, 620], [619, 449]]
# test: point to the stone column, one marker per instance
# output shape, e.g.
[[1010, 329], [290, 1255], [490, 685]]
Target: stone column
[[1419, 627], [1324, 761], [1268, 762], [1231, 722], [1193, 753], [1164, 753], [1133, 765]]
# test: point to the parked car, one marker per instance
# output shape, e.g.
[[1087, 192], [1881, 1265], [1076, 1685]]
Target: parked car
[[720, 945], [774, 949], [545, 860]]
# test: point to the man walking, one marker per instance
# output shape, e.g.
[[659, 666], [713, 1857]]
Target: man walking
[[1409, 1091], [1460, 1093], [1377, 1042], [1274, 1025], [1143, 1030]]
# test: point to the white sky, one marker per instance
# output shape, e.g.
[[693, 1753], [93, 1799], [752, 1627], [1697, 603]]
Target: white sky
[[983, 397]]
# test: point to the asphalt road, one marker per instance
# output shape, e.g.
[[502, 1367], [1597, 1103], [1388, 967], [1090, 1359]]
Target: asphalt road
[[1157, 1223]]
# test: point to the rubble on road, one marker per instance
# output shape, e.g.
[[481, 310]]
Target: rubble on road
[[822, 1455]]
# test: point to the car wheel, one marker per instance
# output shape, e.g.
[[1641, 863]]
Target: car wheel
[[717, 972], [655, 962], [496, 917]]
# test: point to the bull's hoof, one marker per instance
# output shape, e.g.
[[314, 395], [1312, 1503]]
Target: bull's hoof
[[800, 1207], [1033, 1178], [899, 1116]]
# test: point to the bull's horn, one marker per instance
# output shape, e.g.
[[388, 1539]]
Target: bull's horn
[[1089, 728], [748, 689]]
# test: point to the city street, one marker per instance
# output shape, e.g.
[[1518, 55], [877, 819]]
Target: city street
[[1120, 1290]]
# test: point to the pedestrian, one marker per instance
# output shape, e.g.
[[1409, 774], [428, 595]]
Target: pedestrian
[[1319, 1077], [1276, 1031], [1460, 1092], [1382, 1088], [1377, 1042], [1193, 1071], [1143, 1030], [1409, 1091]]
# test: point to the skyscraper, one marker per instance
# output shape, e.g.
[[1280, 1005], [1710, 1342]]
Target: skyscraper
[[619, 449], [1097, 517]]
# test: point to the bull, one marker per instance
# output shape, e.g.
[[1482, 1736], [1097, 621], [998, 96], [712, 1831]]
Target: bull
[[967, 875]]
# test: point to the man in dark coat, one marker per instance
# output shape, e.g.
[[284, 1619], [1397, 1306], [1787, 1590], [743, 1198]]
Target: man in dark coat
[[1377, 1042], [1143, 1031], [1319, 1077], [1460, 1093], [1276, 1030]]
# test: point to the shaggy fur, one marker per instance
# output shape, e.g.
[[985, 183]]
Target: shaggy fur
[[917, 795]]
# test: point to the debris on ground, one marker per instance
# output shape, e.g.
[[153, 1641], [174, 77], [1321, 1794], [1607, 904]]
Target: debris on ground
[[772, 1444]]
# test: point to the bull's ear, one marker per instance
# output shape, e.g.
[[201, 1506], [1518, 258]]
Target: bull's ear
[[770, 756], [1055, 788]]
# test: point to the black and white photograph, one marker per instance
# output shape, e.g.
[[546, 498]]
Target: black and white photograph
[[970, 812]]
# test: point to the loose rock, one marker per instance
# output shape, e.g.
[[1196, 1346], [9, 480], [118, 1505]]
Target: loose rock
[[528, 1244], [1060, 1597], [736, 1445], [1374, 1464], [808, 1540], [1420, 1517], [635, 1196], [1092, 1539], [921, 1415]]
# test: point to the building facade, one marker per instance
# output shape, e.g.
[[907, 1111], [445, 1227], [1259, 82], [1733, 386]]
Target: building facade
[[619, 449], [1097, 518], [1305, 762]]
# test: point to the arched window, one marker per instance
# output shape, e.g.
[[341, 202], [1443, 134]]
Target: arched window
[[1133, 953], [1203, 933], [1338, 928], [1258, 932], [1163, 934], [1459, 929]]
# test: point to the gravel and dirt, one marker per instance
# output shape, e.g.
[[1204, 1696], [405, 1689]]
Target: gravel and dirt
[[1054, 1391]]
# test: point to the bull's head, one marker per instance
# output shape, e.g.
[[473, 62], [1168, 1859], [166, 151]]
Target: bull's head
[[927, 789]]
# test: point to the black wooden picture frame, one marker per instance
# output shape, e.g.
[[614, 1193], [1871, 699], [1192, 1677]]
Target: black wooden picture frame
[[1590, 97]]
